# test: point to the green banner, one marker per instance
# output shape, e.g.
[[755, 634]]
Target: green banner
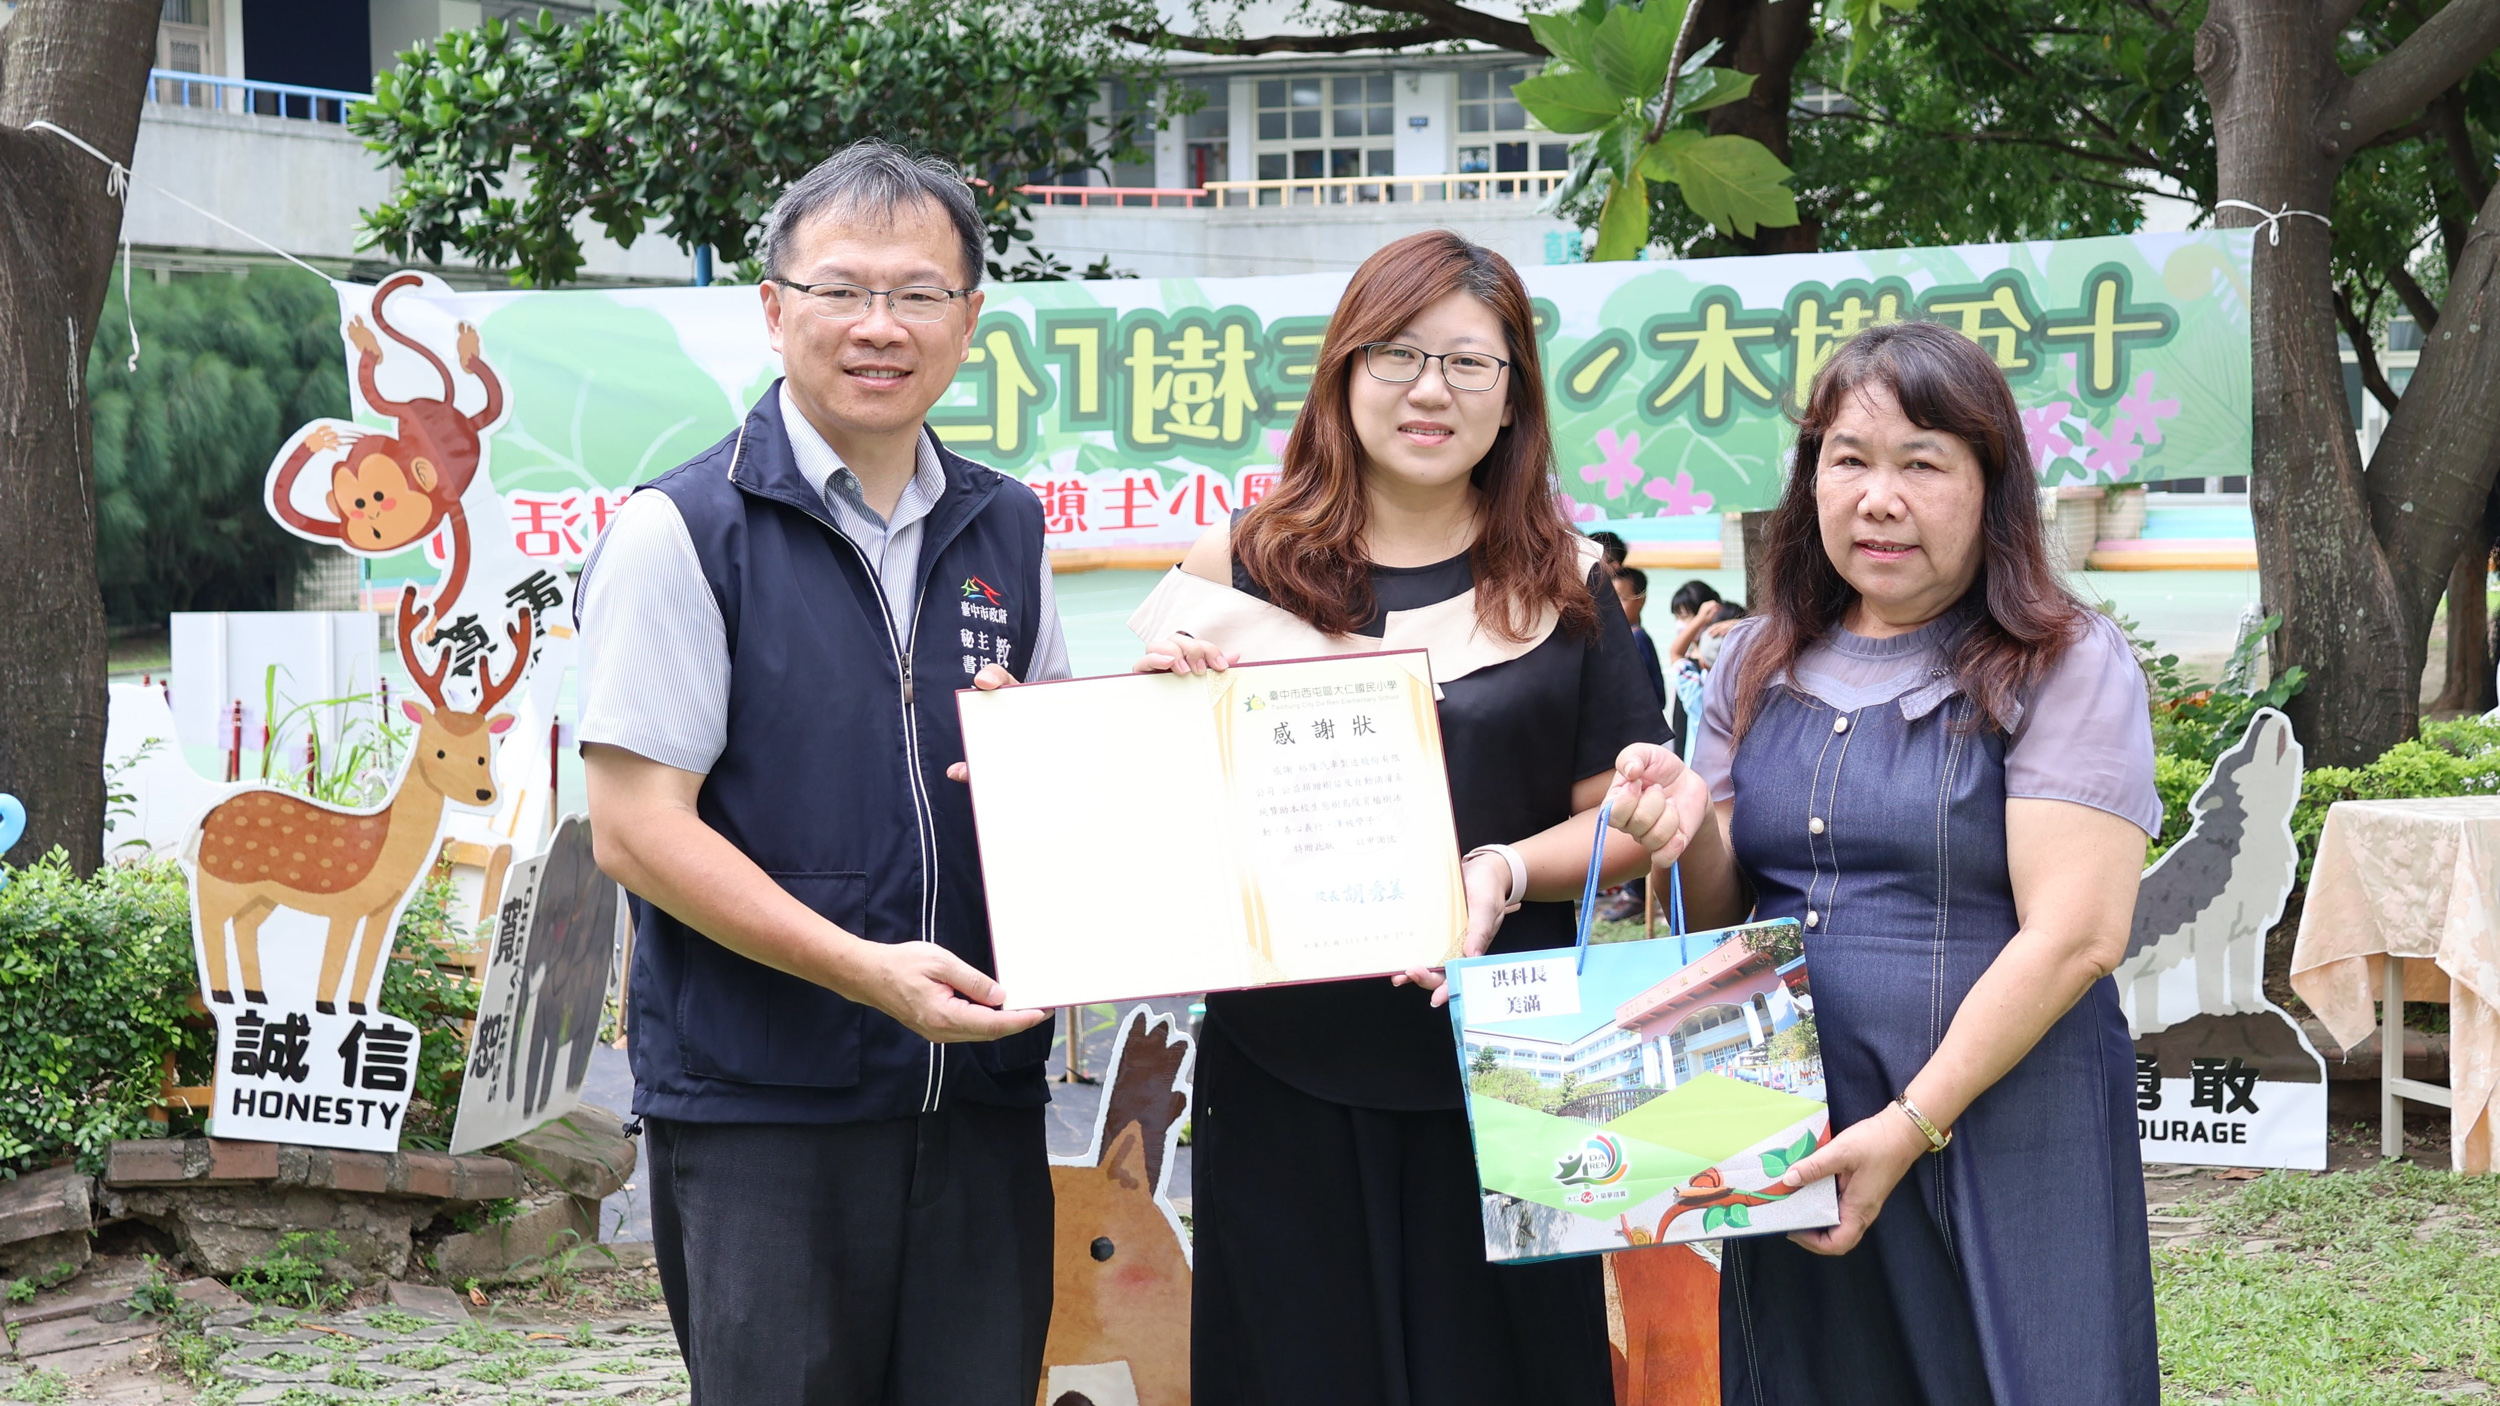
[[1143, 411]]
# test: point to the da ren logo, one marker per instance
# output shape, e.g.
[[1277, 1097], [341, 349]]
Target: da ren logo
[[1599, 1162], [977, 589]]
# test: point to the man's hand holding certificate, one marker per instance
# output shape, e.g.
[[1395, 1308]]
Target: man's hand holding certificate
[[1272, 823]]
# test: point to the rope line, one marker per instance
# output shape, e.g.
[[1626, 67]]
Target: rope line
[[117, 185], [117, 180], [2271, 221]]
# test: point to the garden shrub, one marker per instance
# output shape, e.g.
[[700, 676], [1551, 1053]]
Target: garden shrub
[[2457, 758], [95, 977]]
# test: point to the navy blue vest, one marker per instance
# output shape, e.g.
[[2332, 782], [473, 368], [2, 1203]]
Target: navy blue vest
[[834, 782]]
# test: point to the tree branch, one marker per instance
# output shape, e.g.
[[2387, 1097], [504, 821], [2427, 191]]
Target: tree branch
[[2130, 161], [2447, 117], [1288, 43], [2365, 351], [2333, 15], [2416, 299], [2014, 63], [2448, 46], [1467, 23], [2432, 472]]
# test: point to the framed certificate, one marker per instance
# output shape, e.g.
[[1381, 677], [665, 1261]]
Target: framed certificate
[[1152, 834]]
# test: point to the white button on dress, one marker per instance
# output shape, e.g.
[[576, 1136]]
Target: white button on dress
[[1840, 724], [1814, 825]]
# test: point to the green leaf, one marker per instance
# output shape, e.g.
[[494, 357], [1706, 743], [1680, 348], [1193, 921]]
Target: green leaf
[[1803, 1149], [1740, 1216], [1567, 36], [1569, 102], [1623, 226], [1865, 19], [1713, 1218], [1658, 162], [1736, 184], [1636, 45], [1775, 1164], [1709, 88]]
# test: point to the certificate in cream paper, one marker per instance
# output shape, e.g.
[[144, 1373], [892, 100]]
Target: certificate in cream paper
[[1151, 834]]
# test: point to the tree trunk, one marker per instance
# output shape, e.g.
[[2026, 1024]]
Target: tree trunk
[[1765, 38], [82, 65], [2467, 676], [2354, 564], [1756, 527]]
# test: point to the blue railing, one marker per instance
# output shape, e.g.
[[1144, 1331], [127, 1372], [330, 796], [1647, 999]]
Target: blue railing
[[250, 95]]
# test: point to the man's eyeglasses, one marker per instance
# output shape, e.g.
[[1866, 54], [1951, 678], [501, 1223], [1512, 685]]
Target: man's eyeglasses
[[1399, 363], [848, 302]]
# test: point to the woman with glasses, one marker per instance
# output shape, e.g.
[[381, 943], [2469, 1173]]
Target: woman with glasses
[[1339, 1231]]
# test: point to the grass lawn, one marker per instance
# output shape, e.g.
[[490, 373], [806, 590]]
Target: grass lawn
[[2377, 1286]]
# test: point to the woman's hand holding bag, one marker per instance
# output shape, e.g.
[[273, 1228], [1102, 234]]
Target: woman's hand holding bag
[[1659, 801]]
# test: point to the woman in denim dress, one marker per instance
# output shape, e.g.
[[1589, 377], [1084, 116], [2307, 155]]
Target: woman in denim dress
[[1940, 763]]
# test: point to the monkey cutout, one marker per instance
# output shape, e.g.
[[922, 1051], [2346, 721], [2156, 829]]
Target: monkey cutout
[[389, 491]]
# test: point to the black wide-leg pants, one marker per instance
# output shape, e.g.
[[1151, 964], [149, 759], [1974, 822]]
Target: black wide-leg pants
[[1340, 1261], [905, 1262]]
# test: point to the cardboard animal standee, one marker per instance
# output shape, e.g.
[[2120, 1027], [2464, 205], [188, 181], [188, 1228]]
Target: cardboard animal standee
[[2224, 1077], [385, 493], [543, 994], [420, 495], [291, 1066], [1119, 1323]]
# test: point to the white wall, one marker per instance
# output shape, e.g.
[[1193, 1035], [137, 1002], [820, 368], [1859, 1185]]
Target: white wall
[[403, 24], [1241, 240], [1245, 130], [302, 186], [1432, 96]]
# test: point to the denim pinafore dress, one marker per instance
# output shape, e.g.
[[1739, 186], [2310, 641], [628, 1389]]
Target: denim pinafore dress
[[2011, 1268]]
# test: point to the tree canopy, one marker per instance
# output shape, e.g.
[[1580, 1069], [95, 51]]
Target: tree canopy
[[228, 368], [689, 118]]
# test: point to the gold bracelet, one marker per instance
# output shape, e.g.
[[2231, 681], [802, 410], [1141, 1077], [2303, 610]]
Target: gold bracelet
[[1936, 1141]]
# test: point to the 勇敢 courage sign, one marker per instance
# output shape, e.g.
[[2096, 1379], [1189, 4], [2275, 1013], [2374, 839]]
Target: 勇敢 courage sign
[[1144, 411]]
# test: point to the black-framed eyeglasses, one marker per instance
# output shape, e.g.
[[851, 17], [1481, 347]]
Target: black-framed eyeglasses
[[1398, 363], [848, 302]]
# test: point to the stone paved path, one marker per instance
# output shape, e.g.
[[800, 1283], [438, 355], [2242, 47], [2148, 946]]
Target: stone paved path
[[431, 1348], [386, 1354]]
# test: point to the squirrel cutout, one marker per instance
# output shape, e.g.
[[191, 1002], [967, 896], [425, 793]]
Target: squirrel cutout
[[388, 492]]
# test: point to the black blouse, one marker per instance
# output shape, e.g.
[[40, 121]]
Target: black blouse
[[1515, 736]]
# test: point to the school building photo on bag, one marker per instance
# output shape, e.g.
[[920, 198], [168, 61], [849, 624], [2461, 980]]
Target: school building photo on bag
[[1495, 703]]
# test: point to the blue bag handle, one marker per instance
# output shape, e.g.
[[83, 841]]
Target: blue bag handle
[[1588, 888]]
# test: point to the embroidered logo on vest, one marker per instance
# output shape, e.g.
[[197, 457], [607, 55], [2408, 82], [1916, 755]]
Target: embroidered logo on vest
[[982, 605]]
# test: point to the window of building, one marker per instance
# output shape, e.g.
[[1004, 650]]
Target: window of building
[[182, 36], [1487, 113], [1326, 126], [1208, 132], [1137, 169], [1485, 103]]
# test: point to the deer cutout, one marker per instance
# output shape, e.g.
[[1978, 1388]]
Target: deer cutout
[[1119, 1322], [265, 849]]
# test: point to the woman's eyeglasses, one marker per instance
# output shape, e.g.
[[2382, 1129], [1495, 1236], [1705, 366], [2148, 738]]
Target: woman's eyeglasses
[[1398, 363], [848, 302]]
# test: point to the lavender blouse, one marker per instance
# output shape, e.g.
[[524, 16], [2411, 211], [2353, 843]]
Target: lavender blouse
[[2084, 734]]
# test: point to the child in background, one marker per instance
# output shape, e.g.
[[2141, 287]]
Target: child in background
[[1632, 588], [1612, 545]]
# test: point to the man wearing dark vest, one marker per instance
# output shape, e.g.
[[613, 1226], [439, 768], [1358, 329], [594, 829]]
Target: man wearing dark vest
[[850, 1196]]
